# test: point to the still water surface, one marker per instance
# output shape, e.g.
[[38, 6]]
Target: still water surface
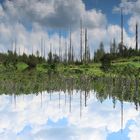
[[68, 115]]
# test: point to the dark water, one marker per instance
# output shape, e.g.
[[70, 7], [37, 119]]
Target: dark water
[[97, 109]]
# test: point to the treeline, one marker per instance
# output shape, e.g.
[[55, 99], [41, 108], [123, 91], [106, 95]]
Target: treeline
[[117, 50], [66, 56], [10, 59]]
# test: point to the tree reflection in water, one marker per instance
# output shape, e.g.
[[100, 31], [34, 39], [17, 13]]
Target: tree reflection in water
[[77, 90]]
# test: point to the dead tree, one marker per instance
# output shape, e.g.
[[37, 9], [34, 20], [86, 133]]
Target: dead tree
[[81, 41], [70, 49], [32, 50], [44, 50], [86, 49], [66, 51], [15, 51], [12, 44], [60, 53], [72, 54], [88, 54], [122, 47], [122, 26], [136, 36]]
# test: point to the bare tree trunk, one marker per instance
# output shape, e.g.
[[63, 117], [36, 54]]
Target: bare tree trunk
[[70, 49], [66, 51], [81, 41], [44, 50], [32, 49], [19, 51], [88, 57], [121, 26], [41, 47], [72, 56], [60, 57], [85, 45], [136, 37], [80, 104], [15, 47]]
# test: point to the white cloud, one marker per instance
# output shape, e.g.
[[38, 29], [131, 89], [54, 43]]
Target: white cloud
[[134, 132], [53, 14], [131, 8], [27, 22]]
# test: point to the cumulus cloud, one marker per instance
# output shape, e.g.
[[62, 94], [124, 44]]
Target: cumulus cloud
[[131, 8], [24, 23], [134, 131], [53, 14]]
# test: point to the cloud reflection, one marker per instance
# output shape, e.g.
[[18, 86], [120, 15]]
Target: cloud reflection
[[64, 116]]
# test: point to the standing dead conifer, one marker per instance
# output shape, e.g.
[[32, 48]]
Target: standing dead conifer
[[136, 36], [81, 41], [70, 48], [86, 45]]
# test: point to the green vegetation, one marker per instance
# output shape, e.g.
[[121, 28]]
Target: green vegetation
[[13, 64]]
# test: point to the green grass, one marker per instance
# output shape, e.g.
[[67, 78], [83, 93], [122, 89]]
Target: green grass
[[129, 59], [41, 68], [136, 64], [21, 66], [119, 67]]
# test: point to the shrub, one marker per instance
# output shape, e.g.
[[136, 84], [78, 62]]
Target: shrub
[[105, 62]]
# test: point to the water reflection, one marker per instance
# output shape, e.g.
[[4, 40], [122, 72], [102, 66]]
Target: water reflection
[[101, 109]]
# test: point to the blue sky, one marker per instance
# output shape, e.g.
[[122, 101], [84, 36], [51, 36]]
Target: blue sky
[[107, 8], [1, 1]]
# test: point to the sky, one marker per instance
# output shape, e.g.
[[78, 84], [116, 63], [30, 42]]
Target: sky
[[106, 7], [26, 22]]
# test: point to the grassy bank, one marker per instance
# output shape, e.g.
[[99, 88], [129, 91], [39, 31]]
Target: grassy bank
[[120, 67]]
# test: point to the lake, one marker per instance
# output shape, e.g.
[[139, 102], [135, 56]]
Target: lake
[[95, 109]]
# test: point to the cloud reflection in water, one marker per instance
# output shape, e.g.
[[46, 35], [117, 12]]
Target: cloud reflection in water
[[63, 116]]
